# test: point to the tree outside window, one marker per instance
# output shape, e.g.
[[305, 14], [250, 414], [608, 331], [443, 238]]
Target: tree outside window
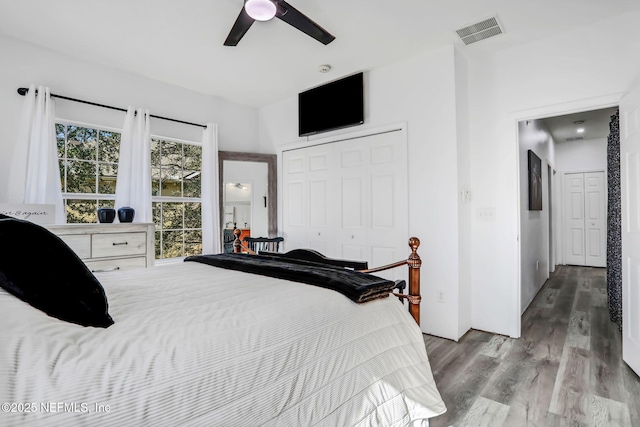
[[88, 171], [176, 193]]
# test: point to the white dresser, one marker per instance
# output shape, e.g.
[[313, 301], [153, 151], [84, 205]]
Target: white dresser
[[110, 247]]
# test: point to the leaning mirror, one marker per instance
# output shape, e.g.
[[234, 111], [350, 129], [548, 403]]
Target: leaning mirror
[[247, 195]]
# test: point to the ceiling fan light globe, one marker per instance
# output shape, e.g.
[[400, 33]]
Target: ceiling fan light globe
[[260, 10]]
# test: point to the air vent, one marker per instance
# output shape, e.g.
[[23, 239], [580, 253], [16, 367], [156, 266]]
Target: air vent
[[575, 138], [480, 31]]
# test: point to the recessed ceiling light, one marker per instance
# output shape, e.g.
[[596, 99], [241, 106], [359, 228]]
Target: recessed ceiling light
[[578, 122], [580, 130]]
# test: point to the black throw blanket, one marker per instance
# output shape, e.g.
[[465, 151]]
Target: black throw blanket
[[359, 287]]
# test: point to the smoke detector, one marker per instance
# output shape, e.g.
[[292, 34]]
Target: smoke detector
[[325, 68], [480, 30]]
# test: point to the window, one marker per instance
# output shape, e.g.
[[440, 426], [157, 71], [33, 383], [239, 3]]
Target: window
[[89, 157], [176, 191], [88, 169]]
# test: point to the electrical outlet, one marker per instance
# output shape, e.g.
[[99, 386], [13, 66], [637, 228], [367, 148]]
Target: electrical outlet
[[441, 296]]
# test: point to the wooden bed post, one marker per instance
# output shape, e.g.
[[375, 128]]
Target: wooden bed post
[[237, 243], [414, 262], [238, 247]]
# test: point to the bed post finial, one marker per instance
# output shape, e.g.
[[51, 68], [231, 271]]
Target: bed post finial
[[414, 258], [414, 262], [237, 243]]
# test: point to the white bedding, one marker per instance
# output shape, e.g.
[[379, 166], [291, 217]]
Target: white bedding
[[198, 345]]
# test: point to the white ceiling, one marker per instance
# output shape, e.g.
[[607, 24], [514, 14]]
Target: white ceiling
[[181, 41], [594, 123]]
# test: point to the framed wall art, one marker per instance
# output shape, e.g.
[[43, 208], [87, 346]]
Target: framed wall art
[[535, 182]]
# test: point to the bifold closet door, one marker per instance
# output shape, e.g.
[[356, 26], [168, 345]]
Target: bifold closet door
[[348, 199], [585, 219]]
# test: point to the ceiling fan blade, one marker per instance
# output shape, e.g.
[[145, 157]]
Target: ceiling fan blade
[[295, 18], [239, 29]]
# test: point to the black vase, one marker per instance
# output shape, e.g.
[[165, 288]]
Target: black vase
[[126, 214], [106, 214]]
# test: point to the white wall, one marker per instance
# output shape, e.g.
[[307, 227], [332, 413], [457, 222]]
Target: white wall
[[420, 91], [24, 63], [577, 70], [581, 156], [534, 225]]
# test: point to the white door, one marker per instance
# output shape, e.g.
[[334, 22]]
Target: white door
[[574, 219], [630, 193], [349, 199], [294, 200], [320, 184], [585, 219], [352, 192], [595, 220], [388, 201]]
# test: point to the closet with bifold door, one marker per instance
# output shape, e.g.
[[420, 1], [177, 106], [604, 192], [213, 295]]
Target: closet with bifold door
[[348, 198], [585, 225]]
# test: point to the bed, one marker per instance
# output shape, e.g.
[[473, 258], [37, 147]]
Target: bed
[[198, 345]]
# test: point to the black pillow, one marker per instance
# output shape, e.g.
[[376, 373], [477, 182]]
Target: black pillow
[[40, 269]]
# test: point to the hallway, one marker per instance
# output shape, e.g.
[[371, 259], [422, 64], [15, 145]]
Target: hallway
[[565, 370]]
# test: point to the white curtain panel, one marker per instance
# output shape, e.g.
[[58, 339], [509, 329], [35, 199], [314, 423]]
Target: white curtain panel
[[211, 231], [35, 172], [133, 186]]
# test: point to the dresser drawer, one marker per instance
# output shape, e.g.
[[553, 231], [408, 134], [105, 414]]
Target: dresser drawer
[[98, 266], [110, 247], [80, 243], [118, 244]]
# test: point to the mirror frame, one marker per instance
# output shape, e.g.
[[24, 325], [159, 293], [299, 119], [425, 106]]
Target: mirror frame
[[272, 181]]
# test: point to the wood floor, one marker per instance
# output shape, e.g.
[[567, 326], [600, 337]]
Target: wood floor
[[565, 370]]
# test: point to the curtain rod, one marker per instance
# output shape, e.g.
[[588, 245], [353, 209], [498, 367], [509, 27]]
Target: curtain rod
[[23, 91]]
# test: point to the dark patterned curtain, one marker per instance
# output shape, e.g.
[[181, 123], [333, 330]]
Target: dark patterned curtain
[[614, 223]]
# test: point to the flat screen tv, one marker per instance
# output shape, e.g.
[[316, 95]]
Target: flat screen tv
[[335, 105]]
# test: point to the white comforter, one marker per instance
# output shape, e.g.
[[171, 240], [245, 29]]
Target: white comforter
[[198, 345]]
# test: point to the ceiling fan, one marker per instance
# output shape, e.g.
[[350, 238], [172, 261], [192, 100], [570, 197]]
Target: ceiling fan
[[264, 10]]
